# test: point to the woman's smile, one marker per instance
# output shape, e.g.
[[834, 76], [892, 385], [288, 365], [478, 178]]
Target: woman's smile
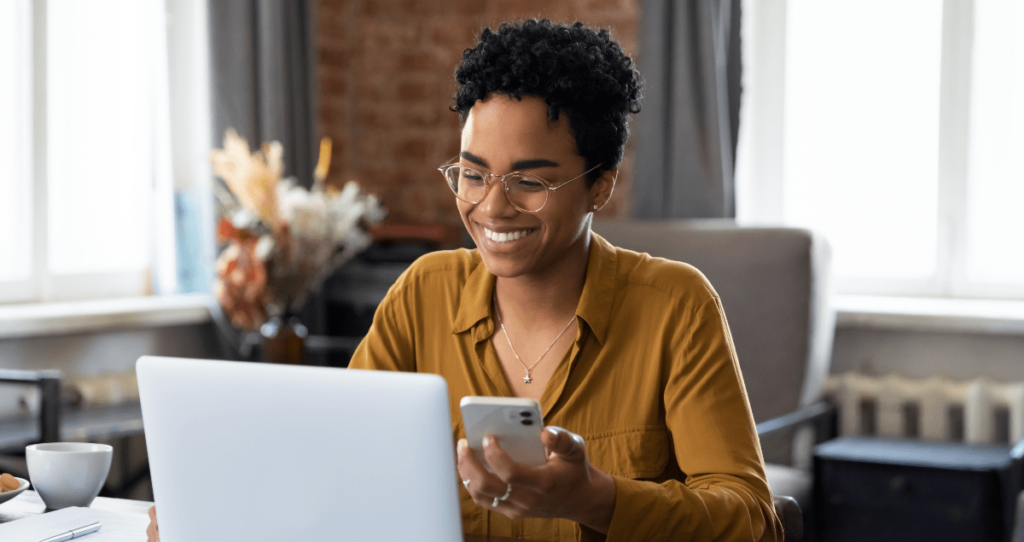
[[507, 236]]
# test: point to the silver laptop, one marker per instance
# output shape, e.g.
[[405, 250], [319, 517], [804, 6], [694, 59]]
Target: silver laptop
[[258, 452]]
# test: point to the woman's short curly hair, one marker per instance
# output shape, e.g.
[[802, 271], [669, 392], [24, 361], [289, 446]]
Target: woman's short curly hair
[[575, 69]]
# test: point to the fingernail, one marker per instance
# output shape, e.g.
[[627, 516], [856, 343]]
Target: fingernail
[[487, 440], [460, 447], [552, 430]]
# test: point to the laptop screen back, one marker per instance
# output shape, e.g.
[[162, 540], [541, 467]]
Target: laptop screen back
[[247, 451]]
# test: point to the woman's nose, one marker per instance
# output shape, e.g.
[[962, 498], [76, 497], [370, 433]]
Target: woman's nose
[[496, 202]]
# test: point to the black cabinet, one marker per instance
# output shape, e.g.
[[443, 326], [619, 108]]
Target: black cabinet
[[880, 490], [342, 311]]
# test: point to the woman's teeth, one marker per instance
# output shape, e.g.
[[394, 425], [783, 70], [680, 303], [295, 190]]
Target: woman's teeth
[[504, 237]]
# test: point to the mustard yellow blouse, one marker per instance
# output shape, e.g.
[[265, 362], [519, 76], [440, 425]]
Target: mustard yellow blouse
[[651, 383]]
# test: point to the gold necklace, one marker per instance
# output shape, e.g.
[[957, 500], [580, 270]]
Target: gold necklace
[[527, 379]]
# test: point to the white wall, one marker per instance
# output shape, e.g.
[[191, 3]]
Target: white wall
[[920, 354], [97, 352]]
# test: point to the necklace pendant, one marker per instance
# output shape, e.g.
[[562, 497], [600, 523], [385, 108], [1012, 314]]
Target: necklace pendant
[[527, 379]]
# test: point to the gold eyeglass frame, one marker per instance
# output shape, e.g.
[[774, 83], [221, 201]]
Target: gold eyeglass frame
[[549, 187]]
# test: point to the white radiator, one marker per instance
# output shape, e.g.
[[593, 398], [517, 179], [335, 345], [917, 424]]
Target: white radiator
[[973, 411]]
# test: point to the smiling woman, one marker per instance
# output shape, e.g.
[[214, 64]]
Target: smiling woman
[[650, 434]]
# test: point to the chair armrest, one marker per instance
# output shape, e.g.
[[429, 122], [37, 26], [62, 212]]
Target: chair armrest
[[792, 517], [821, 414], [49, 392]]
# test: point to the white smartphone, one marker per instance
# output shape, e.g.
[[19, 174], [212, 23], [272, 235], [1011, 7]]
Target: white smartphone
[[517, 422]]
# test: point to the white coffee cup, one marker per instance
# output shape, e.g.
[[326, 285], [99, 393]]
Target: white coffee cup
[[68, 473]]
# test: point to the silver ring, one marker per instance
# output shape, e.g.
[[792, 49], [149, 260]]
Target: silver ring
[[465, 483], [502, 498]]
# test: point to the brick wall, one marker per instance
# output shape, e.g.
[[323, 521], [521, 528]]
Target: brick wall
[[386, 81]]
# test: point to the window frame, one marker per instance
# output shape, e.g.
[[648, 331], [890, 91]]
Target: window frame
[[185, 24], [760, 170]]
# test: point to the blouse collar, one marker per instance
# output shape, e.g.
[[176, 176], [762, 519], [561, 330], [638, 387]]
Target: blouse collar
[[594, 307]]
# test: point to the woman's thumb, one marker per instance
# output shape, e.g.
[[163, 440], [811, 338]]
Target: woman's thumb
[[566, 444]]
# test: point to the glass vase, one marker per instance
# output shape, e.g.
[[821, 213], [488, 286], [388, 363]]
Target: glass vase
[[284, 340]]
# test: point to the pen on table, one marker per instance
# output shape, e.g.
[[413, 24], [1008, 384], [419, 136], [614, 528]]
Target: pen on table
[[74, 533]]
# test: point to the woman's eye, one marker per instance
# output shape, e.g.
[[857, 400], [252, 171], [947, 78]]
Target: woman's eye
[[528, 185], [472, 176]]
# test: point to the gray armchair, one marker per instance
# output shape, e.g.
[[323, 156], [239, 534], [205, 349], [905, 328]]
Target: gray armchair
[[773, 283]]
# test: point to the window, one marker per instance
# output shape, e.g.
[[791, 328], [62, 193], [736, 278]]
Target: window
[[83, 147], [896, 129], [994, 225], [15, 144]]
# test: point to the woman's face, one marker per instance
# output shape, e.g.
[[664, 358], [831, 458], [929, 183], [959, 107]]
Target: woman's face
[[502, 135]]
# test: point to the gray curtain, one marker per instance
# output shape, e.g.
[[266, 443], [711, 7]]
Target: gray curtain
[[262, 63], [687, 130]]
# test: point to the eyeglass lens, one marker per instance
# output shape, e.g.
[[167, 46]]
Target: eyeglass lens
[[525, 192]]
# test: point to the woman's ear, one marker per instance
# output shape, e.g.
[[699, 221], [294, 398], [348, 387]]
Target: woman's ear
[[602, 189]]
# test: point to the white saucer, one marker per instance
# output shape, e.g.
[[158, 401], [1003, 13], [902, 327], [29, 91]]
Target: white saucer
[[8, 495]]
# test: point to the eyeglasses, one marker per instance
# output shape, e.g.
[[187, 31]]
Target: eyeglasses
[[527, 193]]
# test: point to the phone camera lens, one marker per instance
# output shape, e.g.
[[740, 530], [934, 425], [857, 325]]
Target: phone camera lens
[[525, 413], [527, 422]]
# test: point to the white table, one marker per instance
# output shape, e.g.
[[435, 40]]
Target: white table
[[29, 504]]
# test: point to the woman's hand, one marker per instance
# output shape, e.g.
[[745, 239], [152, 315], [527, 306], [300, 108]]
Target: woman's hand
[[152, 532], [567, 486]]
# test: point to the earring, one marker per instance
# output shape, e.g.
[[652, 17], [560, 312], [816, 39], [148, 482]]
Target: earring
[[595, 207]]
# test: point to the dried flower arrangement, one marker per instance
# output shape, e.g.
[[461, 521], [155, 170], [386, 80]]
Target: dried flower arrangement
[[281, 241]]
